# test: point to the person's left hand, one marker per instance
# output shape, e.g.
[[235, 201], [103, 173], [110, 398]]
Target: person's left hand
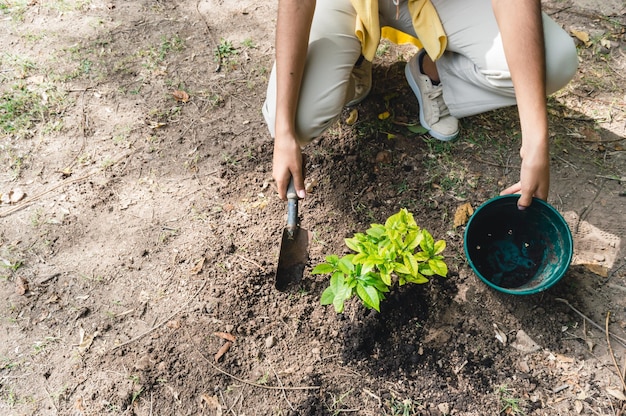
[[534, 176]]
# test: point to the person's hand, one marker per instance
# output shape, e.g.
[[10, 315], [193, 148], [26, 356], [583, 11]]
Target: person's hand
[[287, 163], [534, 176]]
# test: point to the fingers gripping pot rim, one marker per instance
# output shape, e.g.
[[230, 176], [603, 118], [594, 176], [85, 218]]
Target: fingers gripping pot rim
[[515, 251]]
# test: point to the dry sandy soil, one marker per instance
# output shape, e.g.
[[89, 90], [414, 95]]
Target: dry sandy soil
[[149, 225]]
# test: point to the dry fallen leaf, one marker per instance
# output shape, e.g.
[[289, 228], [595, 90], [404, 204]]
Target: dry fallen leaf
[[597, 269], [212, 402], [16, 195], [181, 96], [223, 350], [225, 335], [500, 335], [78, 406], [21, 285], [463, 214], [198, 267], [617, 393], [582, 36], [309, 186], [353, 117], [12, 197], [578, 405], [85, 340]]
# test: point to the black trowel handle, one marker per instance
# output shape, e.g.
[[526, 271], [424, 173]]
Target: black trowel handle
[[292, 208]]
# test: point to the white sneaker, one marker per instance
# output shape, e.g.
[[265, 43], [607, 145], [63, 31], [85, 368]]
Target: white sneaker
[[434, 114], [361, 80]]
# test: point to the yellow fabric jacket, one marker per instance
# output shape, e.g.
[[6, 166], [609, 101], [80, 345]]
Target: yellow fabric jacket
[[428, 27]]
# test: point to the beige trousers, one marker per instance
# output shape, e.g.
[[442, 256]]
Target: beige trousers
[[473, 70]]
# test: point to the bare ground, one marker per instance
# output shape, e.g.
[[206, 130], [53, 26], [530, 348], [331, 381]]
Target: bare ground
[[150, 224]]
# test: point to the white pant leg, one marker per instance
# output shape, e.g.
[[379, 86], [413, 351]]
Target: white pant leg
[[333, 51], [474, 72]]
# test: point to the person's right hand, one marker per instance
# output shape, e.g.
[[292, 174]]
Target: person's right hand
[[287, 163]]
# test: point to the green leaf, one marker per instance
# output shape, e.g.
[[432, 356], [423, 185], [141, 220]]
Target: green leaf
[[386, 278], [323, 268], [338, 304], [418, 279], [337, 292], [438, 267], [328, 296], [367, 268], [345, 264], [354, 244], [426, 270], [376, 231], [369, 296], [337, 281], [360, 258], [411, 263], [333, 260], [440, 246], [421, 256], [401, 268], [413, 239], [428, 243], [417, 129]]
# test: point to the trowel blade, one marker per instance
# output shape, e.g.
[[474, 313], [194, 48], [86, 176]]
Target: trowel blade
[[292, 258]]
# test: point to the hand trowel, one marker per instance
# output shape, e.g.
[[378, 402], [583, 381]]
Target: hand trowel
[[293, 246]]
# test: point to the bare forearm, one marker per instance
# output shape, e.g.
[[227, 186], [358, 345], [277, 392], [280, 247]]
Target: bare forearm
[[521, 27], [292, 37], [522, 37]]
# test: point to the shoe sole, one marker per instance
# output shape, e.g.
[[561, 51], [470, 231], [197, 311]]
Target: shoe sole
[[418, 95], [353, 103]]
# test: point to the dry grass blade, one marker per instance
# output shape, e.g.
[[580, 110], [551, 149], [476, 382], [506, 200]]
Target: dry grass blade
[[608, 342]]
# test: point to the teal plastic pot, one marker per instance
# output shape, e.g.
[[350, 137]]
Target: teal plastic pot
[[519, 252]]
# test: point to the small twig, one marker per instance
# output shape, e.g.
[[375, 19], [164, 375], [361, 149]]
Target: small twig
[[251, 383], [499, 165], [34, 198], [608, 342], [169, 318], [458, 370], [622, 341], [282, 387], [230, 408], [24, 203], [585, 211], [51, 399], [208, 28], [369, 393], [249, 261], [613, 178]]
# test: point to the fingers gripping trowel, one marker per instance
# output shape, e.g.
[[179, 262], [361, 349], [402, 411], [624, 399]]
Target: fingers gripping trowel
[[293, 246]]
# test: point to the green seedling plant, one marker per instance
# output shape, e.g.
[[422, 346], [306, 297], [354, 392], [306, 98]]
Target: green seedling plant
[[398, 252]]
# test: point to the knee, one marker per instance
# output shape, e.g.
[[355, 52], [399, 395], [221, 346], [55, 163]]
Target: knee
[[561, 60], [561, 66]]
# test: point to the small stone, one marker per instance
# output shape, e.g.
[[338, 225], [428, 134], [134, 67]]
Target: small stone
[[270, 341], [383, 156], [523, 366], [444, 408], [143, 363], [524, 343]]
